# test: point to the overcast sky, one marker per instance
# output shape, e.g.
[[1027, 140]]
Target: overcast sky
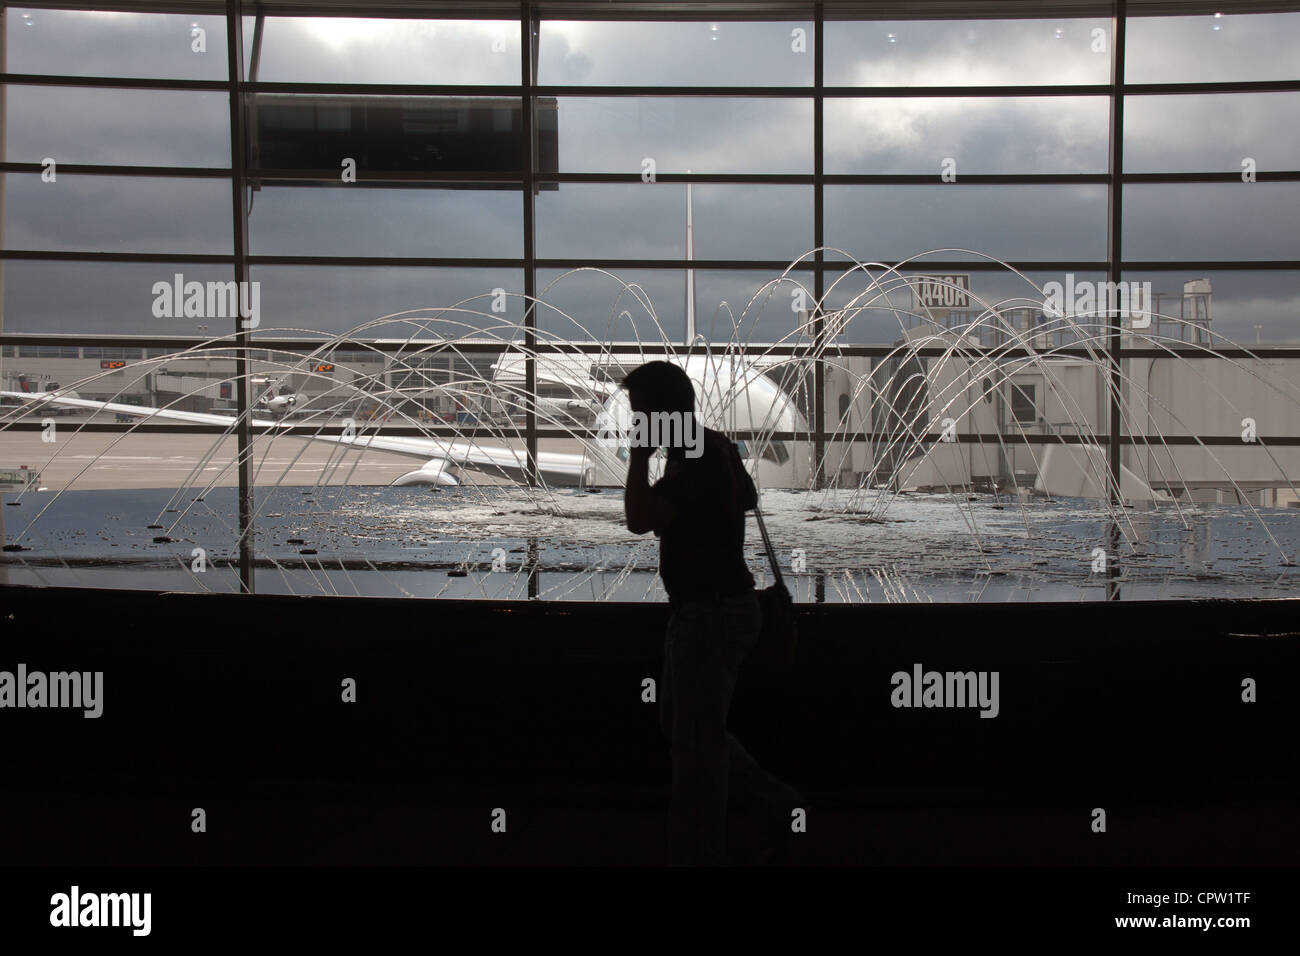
[[636, 220]]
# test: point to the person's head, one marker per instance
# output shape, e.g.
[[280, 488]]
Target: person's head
[[660, 387]]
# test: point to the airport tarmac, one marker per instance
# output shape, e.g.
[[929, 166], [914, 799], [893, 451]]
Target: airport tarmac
[[100, 460]]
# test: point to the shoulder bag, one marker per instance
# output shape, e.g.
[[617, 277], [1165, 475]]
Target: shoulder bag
[[779, 637]]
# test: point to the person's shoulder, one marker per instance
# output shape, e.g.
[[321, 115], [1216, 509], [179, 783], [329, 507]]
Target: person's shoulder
[[674, 468], [714, 449], [716, 441], [725, 449]]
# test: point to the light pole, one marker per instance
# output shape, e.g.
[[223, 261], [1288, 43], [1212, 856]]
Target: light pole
[[207, 360]]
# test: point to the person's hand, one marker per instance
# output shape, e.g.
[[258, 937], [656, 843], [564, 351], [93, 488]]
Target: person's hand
[[644, 510]]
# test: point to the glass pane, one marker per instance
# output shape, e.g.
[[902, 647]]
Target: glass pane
[[354, 50], [353, 220], [117, 214], [967, 135], [444, 302], [1210, 47], [734, 308], [1192, 133], [702, 134], [104, 43], [1215, 398], [888, 223], [110, 496], [703, 53], [166, 378], [750, 309], [105, 298], [1258, 476], [967, 52], [116, 127], [982, 307], [388, 133], [759, 393], [1221, 308], [612, 305], [1212, 221], [729, 221]]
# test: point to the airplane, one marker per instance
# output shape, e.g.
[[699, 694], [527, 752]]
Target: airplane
[[30, 388], [279, 400], [732, 394]]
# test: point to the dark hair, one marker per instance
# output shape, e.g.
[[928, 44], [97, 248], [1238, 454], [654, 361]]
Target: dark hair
[[663, 386]]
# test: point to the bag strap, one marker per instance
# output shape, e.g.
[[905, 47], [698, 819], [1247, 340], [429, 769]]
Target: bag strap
[[767, 543]]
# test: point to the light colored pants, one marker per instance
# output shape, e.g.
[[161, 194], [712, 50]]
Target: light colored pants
[[704, 648]]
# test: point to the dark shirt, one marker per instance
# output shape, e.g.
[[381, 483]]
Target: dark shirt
[[703, 551]]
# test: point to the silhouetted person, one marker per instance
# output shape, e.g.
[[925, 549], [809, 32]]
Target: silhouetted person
[[697, 509]]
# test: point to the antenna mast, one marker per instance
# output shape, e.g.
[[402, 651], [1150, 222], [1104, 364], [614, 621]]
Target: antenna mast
[[690, 273]]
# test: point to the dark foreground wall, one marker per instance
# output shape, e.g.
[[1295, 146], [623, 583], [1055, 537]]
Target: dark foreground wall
[[234, 704]]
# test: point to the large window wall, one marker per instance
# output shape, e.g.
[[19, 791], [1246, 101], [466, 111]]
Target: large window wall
[[498, 147]]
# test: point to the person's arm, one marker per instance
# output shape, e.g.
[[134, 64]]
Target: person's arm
[[748, 493], [644, 509]]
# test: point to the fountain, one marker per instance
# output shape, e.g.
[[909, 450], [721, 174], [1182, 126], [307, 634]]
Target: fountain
[[967, 460]]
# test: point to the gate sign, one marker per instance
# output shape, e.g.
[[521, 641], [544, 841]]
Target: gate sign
[[940, 291]]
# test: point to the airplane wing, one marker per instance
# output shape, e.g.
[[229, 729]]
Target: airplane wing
[[38, 399], [559, 468]]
